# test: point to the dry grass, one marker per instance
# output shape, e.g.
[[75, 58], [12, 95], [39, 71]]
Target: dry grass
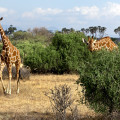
[[32, 102]]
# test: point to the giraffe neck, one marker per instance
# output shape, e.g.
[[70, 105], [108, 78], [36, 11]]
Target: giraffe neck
[[2, 32], [91, 46], [5, 39]]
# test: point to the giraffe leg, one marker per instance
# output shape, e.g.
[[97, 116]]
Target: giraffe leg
[[1, 69], [10, 77], [17, 72]]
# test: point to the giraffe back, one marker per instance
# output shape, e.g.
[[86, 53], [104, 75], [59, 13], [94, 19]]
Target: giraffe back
[[104, 43]]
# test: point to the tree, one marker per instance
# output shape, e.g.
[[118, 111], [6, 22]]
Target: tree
[[117, 31], [101, 31], [91, 29], [10, 30], [85, 31], [65, 30], [35, 31], [95, 31], [72, 30]]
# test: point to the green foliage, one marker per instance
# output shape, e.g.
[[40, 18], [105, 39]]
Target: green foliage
[[100, 78], [21, 35], [42, 59], [99, 71], [27, 48], [10, 30], [24, 47], [71, 50], [63, 55]]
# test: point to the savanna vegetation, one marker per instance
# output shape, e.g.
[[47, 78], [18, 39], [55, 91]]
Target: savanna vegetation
[[64, 52]]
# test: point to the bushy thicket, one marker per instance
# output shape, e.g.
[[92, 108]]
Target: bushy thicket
[[100, 78], [71, 50], [21, 35], [63, 55], [26, 48], [42, 59], [99, 71]]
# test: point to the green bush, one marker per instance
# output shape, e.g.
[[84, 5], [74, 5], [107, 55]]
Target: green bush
[[100, 78], [27, 47], [63, 55], [71, 49], [42, 60]]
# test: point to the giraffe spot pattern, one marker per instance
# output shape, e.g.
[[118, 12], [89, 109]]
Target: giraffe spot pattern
[[105, 43]]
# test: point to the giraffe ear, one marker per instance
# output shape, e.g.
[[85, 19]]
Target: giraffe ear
[[84, 41], [88, 38]]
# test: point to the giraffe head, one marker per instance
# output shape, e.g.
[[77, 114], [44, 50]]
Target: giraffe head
[[91, 43], [0, 24], [1, 18]]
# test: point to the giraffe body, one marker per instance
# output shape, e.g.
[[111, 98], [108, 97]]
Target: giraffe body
[[10, 55], [103, 43]]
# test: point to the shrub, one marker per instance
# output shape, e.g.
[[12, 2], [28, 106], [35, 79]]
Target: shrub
[[41, 34], [42, 60], [27, 47], [61, 101], [100, 78], [71, 50], [63, 55], [21, 35]]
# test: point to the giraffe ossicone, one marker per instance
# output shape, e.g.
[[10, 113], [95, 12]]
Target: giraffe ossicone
[[10, 55]]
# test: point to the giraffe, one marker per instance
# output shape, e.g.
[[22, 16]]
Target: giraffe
[[10, 55], [105, 42]]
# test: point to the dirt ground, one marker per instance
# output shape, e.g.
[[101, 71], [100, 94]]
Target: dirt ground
[[31, 103]]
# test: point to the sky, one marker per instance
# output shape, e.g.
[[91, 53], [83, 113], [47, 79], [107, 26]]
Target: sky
[[58, 14]]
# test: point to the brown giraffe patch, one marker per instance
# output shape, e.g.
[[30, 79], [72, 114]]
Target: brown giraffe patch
[[14, 53]]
